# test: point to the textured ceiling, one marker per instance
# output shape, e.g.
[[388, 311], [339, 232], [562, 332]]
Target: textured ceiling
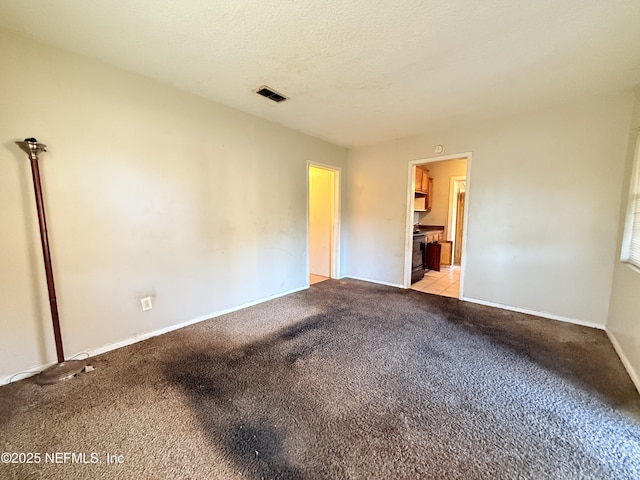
[[357, 72]]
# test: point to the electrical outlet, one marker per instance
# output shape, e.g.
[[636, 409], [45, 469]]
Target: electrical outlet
[[146, 303]]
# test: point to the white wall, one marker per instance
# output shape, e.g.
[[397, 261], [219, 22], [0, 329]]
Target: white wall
[[624, 314], [543, 203], [149, 191]]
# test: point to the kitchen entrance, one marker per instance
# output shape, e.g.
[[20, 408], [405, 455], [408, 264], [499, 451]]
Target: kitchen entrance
[[324, 224], [436, 216]]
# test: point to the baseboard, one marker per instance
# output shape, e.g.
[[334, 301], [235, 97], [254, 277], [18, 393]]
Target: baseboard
[[550, 316], [379, 282], [635, 378], [143, 336], [138, 338]]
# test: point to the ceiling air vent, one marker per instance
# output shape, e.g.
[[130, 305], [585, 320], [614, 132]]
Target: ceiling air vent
[[270, 94]]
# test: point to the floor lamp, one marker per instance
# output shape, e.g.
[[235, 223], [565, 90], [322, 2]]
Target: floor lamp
[[62, 370]]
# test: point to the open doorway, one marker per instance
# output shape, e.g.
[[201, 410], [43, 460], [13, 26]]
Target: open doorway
[[435, 229], [324, 224], [457, 199]]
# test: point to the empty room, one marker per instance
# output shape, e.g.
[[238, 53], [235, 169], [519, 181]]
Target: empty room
[[332, 240]]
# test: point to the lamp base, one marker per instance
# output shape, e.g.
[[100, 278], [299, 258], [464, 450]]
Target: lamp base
[[60, 371]]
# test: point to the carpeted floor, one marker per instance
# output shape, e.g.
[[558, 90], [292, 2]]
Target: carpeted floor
[[346, 380]]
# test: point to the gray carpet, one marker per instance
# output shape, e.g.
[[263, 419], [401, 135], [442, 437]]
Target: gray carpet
[[346, 380]]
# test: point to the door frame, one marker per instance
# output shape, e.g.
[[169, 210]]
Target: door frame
[[411, 185], [454, 190], [334, 251]]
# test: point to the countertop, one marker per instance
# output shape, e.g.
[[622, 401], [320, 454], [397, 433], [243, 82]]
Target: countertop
[[430, 228]]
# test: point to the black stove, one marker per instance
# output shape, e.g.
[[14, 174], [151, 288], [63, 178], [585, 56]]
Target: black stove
[[417, 257]]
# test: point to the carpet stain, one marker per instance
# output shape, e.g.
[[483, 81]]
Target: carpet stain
[[199, 385], [305, 326], [343, 380], [300, 353], [259, 448], [583, 356], [404, 388], [239, 384]]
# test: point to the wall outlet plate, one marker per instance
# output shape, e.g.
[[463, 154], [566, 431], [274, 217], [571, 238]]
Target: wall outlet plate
[[146, 303]]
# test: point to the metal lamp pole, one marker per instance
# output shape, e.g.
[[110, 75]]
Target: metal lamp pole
[[62, 370]]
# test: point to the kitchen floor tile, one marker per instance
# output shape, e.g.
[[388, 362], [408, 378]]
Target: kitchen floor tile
[[422, 283], [431, 275], [446, 282], [448, 293], [433, 290]]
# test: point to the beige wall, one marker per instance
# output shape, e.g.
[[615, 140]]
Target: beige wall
[[320, 220], [149, 191], [543, 202], [624, 313]]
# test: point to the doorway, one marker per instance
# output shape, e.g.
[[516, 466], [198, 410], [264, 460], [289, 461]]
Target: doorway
[[457, 199], [324, 224], [443, 221]]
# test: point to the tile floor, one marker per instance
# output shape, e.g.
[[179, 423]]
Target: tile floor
[[446, 282]]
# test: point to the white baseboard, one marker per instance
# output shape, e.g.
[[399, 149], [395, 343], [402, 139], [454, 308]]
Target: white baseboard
[[550, 316], [635, 378], [143, 336], [379, 282], [138, 338]]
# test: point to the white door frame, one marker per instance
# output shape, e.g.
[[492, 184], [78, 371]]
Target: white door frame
[[335, 219], [454, 189], [408, 244]]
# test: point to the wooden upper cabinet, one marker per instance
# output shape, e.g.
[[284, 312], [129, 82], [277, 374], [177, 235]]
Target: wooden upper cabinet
[[429, 201], [422, 180], [424, 190], [418, 179]]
